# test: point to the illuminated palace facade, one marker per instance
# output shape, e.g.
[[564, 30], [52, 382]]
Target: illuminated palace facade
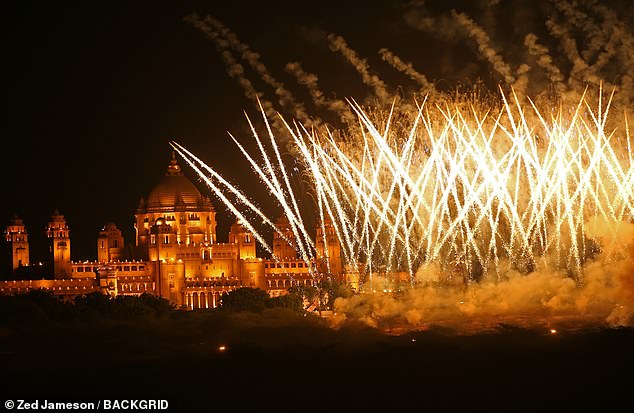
[[176, 254]]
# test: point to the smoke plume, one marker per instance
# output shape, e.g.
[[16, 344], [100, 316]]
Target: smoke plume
[[338, 44], [541, 299]]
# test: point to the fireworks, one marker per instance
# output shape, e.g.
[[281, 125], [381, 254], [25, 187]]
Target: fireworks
[[479, 192], [474, 188]]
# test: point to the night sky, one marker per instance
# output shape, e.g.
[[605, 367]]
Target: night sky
[[94, 91]]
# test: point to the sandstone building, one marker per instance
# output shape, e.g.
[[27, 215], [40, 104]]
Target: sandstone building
[[176, 253]]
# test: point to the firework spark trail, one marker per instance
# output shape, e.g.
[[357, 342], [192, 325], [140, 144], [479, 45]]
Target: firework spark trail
[[459, 185], [398, 167], [203, 170], [196, 164], [485, 192], [560, 171], [391, 163], [333, 191], [296, 225]]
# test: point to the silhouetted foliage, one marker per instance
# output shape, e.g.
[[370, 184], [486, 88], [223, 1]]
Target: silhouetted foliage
[[329, 290], [160, 306], [245, 299], [40, 307], [292, 300], [34, 307], [307, 292], [96, 305], [93, 302]]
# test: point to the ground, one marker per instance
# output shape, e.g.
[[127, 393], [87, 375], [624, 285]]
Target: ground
[[283, 361]]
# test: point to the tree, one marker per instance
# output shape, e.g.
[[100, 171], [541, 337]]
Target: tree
[[36, 307], [308, 293], [92, 305], [158, 305], [329, 290], [245, 299], [291, 300]]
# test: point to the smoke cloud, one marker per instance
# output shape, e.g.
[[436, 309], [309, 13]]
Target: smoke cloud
[[541, 299]]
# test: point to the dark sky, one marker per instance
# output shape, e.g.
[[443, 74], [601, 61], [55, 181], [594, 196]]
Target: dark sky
[[94, 91]]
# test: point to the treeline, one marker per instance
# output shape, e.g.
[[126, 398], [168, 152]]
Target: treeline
[[40, 307]]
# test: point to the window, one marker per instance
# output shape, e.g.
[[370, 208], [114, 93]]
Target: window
[[152, 239], [206, 254], [166, 239], [126, 268], [247, 238]]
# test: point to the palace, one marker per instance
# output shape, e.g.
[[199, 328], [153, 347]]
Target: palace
[[176, 254]]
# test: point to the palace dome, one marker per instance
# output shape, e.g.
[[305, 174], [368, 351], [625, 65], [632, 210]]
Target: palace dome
[[174, 192]]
